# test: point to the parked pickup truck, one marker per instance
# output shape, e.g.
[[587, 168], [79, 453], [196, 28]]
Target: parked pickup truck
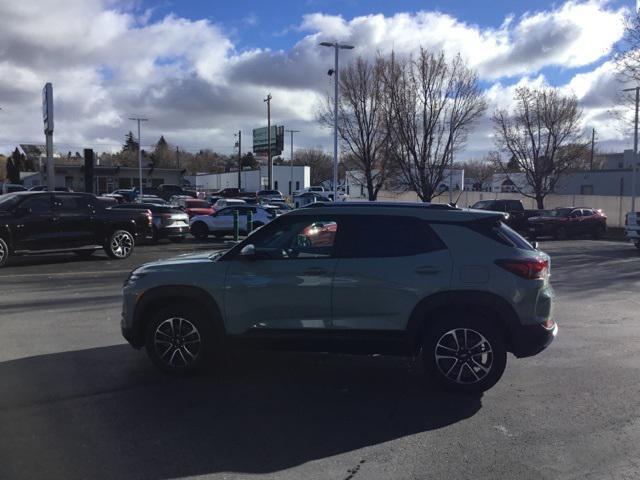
[[518, 216], [43, 222]]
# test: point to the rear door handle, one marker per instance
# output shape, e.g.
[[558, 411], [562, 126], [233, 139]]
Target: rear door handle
[[315, 271], [427, 270]]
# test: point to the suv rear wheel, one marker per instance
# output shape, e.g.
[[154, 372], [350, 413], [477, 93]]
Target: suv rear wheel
[[465, 354], [200, 230], [119, 245], [178, 339]]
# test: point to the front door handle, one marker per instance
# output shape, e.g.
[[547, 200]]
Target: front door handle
[[427, 270], [315, 271]]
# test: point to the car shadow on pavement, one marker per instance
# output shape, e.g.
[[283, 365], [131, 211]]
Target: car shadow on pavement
[[106, 413]]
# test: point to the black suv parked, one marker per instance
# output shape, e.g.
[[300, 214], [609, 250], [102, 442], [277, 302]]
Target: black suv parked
[[42, 222]]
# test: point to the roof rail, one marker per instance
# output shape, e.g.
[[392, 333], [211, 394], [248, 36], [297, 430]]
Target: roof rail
[[433, 206]]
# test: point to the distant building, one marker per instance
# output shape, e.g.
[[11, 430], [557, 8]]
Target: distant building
[[615, 161], [105, 179], [357, 184], [254, 180]]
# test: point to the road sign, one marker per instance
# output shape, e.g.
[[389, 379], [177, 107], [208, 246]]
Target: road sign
[[47, 108], [261, 140]]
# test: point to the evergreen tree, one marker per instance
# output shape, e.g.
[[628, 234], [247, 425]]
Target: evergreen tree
[[130, 143], [13, 166]]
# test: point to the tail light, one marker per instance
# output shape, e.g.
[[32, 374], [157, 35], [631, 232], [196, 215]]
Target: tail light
[[528, 269]]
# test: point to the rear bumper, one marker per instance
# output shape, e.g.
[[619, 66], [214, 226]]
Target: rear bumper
[[530, 340], [173, 232]]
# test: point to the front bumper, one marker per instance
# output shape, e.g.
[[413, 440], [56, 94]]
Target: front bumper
[[530, 340]]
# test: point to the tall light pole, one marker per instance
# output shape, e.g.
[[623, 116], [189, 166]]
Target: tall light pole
[[138, 119], [269, 164], [239, 145], [291, 162], [337, 47], [635, 149]]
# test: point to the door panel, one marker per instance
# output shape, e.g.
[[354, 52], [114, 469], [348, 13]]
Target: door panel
[[76, 223], [287, 284], [380, 293], [37, 227], [279, 294], [388, 265]]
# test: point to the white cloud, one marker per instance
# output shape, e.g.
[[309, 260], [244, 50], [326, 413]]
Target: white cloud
[[108, 61]]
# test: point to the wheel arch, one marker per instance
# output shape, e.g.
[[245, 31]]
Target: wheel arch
[[160, 297], [493, 307]]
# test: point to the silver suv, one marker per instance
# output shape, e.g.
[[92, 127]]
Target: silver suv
[[458, 285]]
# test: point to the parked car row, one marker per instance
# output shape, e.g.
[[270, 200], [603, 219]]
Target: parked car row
[[560, 223]]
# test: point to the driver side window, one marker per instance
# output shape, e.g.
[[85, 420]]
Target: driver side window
[[299, 238], [41, 204]]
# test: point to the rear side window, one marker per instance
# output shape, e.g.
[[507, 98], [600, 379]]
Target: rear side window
[[498, 231], [373, 236], [72, 203]]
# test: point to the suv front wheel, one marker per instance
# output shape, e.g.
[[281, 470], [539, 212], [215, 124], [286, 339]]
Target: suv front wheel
[[465, 354], [178, 339]]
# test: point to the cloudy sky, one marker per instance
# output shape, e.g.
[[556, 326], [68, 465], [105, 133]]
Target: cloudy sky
[[199, 69]]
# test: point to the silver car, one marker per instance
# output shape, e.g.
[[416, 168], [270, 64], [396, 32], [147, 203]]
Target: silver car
[[458, 285]]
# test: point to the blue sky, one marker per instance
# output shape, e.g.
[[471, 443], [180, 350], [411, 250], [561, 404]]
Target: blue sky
[[200, 69]]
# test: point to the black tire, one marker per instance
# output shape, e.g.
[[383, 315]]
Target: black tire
[[176, 239], [200, 230], [561, 234], [154, 236], [119, 245], [84, 253], [4, 253], [473, 368], [179, 340]]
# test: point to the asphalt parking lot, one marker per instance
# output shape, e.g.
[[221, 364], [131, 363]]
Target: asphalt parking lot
[[77, 402]]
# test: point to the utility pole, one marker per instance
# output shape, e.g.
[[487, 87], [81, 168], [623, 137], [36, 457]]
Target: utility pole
[[269, 164], [337, 47], [593, 142], [47, 117], [635, 149], [291, 162], [138, 119], [178, 156], [450, 176], [239, 159]]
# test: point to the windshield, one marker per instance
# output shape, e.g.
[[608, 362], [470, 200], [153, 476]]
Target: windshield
[[558, 212], [483, 204], [8, 201]]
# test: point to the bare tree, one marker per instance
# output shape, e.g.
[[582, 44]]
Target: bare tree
[[431, 105], [321, 164], [361, 120], [542, 135], [627, 55]]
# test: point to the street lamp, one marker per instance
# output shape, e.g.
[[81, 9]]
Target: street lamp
[[138, 119], [337, 47], [635, 148]]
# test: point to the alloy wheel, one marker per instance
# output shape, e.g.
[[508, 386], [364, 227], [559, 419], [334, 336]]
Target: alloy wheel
[[464, 356], [177, 342], [121, 245], [3, 252]]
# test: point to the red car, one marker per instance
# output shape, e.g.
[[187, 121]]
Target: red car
[[562, 223], [193, 207], [321, 234]]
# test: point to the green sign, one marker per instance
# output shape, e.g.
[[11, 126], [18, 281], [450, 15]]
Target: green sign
[[261, 140]]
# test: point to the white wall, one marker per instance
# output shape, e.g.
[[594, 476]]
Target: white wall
[[253, 180], [614, 207]]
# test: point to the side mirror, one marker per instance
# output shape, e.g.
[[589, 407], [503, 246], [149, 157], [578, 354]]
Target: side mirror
[[248, 251]]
